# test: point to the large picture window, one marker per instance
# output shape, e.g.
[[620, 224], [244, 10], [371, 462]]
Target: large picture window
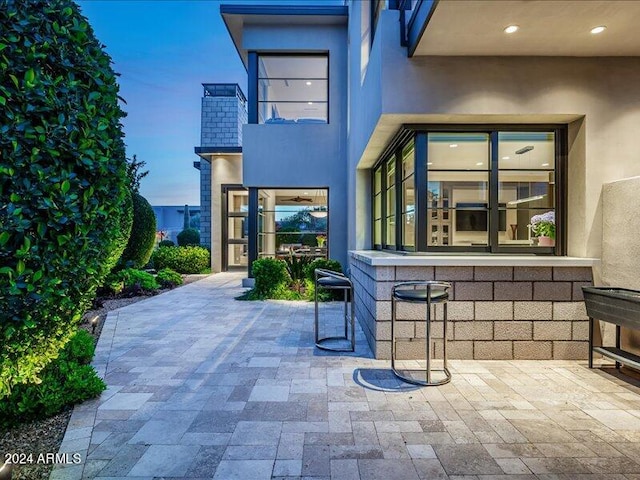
[[293, 89], [483, 190]]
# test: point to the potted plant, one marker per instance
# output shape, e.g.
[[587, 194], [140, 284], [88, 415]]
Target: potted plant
[[543, 226]]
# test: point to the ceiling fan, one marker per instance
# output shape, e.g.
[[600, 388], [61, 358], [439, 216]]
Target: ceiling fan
[[298, 199]]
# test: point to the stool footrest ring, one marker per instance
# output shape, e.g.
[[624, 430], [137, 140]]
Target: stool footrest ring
[[321, 343]]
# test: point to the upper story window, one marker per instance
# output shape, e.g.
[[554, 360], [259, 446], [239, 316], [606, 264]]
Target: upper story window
[[479, 190], [293, 88]]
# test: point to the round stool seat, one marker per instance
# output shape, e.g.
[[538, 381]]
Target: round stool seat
[[330, 282], [421, 295]]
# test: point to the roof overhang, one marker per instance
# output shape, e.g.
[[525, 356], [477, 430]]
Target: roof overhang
[[236, 16], [207, 153], [557, 28], [389, 125]]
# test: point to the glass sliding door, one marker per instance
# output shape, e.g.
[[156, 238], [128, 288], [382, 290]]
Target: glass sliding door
[[293, 222], [235, 227]]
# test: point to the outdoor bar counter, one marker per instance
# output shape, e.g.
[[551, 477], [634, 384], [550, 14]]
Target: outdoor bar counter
[[502, 306]]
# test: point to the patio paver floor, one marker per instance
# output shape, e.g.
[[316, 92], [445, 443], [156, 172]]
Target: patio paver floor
[[205, 387]]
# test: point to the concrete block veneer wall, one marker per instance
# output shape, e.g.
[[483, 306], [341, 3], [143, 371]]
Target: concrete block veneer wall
[[494, 312]]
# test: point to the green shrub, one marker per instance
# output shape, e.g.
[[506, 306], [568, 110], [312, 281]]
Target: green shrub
[[66, 381], [63, 182], [296, 266], [182, 259], [324, 263], [143, 234], [189, 236], [270, 274], [166, 243], [168, 278], [137, 280]]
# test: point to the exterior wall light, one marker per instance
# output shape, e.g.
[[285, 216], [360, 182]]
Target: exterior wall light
[[511, 29], [598, 29]]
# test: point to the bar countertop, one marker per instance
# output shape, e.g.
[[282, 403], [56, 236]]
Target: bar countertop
[[387, 259]]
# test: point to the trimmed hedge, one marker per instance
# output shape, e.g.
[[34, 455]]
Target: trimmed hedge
[[63, 182], [189, 236], [143, 234], [182, 259], [324, 263], [65, 381], [166, 243]]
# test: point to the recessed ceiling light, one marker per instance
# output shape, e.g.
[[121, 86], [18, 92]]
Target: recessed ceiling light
[[506, 158], [309, 103], [479, 163], [511, 29], [545, 164], [306, 193], [598, 29], [429, 163], [308, 83], [453, 145]]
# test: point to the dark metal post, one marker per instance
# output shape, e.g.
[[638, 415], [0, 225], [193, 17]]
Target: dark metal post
[[253, 228]]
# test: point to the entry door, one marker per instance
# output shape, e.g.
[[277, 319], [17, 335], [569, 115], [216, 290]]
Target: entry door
[[235, 249]]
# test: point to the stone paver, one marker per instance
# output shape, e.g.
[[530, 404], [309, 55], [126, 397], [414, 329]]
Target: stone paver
[[202, 386]]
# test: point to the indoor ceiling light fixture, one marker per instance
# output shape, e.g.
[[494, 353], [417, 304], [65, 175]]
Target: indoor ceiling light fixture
[[429, 163], [309, 103], [506, 158], [598, 29], [545, 164], [453, 145], [525, 200], [526, 149], [308, 83], [511, 29], [479, 163], [321, 210]]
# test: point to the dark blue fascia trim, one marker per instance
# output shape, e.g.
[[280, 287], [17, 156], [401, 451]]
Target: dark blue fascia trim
[[418, 23], [336, 10], [214, 150]]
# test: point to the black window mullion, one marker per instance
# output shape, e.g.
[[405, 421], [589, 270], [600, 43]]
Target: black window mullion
[[420, 177], [383, 206], [494, 214], [399, 193]]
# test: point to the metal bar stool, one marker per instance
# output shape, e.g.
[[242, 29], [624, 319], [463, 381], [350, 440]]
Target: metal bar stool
[[336, 281], [431, 293]]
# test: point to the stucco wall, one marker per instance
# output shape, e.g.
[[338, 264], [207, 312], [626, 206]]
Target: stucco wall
[[600, 95], [297, 155]]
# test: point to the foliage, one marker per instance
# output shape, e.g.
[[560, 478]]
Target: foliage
[[544, 225], [186, 220], [63, 182], [143, 234], [121, 238], [296, 266], [168, 278], [324, 263], [135, 173], [189, 259], [137, 280], [166, 243], [270, 274], [189, 236], [66, 381]]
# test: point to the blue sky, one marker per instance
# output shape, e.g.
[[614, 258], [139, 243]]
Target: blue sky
[[164, 51]]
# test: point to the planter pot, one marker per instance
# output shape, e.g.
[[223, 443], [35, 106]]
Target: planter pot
[[546, 241]]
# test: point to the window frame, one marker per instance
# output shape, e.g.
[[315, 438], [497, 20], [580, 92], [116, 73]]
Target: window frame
[[254, 82], [419, 135]]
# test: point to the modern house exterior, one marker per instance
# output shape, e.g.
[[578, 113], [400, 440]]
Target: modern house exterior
[[428, 137]]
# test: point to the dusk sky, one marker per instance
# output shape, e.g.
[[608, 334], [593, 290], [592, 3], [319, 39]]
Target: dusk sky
[[164, 51]]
